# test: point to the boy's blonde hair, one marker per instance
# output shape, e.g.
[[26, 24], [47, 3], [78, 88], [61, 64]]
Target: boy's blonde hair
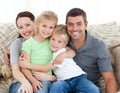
[[46, 15], [61, 31]]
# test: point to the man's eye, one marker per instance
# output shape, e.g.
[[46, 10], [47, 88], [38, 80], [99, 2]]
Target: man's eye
[[69, 24]]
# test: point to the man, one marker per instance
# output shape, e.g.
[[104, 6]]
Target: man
[[91, 53]]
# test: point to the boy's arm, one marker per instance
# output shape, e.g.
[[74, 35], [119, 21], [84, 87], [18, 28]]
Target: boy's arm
[[69, 53]]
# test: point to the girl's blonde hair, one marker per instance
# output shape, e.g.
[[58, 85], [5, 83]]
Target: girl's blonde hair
[[61, 30], [46, 15]]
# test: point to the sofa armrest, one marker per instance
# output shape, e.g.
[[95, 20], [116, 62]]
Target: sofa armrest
[[116, 53], [8, 33]]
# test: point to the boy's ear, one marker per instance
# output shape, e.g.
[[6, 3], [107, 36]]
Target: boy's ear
[[65, 44]]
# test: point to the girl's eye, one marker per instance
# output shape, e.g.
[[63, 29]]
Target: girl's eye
[[28, 25], [53, 39], [44, 25]]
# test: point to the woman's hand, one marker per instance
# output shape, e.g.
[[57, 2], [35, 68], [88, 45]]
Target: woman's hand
[[7, 57], [25, 87]]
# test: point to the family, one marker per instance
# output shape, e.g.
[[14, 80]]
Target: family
[[55, 58]]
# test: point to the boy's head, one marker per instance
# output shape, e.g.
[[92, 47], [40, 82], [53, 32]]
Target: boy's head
[[59, 38], [45, 23]]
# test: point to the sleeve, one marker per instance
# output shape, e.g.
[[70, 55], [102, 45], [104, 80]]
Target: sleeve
[[104, 62], [15, 50], [26, 46]]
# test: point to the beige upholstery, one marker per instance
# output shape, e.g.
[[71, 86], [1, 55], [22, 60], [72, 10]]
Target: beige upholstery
[[108, 32]]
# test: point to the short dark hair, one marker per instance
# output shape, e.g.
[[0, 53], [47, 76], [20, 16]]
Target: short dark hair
[[25, 14], [76, 12]]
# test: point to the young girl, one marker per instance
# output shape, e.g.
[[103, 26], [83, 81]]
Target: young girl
[[36, 49]]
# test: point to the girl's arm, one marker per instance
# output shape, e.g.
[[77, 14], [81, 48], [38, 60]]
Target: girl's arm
[[48, 67], [37, 67], [35, 83]]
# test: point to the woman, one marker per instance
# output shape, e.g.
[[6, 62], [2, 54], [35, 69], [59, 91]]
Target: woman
[[25, 24]]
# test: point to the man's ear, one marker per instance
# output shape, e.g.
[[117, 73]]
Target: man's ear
[[65, 44], [86, 24]]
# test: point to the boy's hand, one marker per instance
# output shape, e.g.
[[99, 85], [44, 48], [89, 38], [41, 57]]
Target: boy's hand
[[43, 76]]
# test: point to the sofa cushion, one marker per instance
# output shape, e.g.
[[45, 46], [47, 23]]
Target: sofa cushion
[[108, 32], [116, 53], [8, 32]]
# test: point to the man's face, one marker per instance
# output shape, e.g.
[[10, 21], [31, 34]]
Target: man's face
[[76, 27]]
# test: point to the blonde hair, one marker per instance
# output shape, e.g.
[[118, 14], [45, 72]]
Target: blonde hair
[[46, 15], [61, 31]]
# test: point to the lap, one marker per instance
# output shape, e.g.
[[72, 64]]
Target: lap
[[15, 86], [46, 86]]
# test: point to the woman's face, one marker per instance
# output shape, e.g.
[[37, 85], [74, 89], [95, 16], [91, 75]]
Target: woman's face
[[26, 27]]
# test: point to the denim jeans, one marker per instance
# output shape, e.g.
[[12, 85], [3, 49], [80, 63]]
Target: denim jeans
[[15, 86], [79, 84]]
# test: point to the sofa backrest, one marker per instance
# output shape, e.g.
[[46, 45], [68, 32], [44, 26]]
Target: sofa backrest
[[108, 32], [8, 33]]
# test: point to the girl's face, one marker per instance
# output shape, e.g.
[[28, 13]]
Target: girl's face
[[46, 28], [57, 42], [25, 26]]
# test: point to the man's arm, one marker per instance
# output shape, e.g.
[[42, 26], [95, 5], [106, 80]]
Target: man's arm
[[110, 82]]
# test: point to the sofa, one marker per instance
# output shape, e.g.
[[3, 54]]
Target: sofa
[[108, 32], [8, 32]]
